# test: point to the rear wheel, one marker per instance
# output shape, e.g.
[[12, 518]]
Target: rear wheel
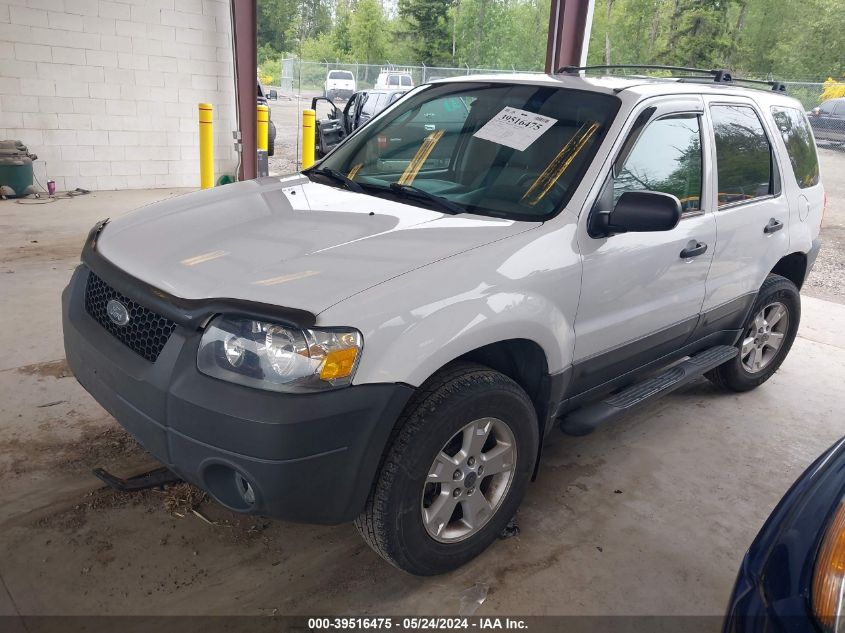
[[767, 337], [455, 473]]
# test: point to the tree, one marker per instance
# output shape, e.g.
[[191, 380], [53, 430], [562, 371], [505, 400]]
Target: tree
[[367, 32], [341, 34], [277, 25], [428, 24]]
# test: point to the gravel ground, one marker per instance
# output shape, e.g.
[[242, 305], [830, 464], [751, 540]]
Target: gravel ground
[[827, 281]]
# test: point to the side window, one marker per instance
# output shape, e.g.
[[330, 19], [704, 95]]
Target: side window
[[743, 154], [393, 80], [666, 158], [798, 139], [406, 80], [370, 104]]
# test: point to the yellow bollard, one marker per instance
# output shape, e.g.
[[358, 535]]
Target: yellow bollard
[[308, 119], [262, 127], [206, 146]]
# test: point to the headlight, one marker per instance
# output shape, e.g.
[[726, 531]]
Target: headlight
[[828, 593], [279, 358]]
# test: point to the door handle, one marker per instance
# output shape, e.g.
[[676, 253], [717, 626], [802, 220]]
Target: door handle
[[773, 226], [694, 249], [429, 127]]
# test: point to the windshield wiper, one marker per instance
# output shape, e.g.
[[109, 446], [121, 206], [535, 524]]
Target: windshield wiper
[[410, 191], [337, 176]]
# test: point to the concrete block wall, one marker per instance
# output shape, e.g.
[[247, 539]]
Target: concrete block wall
[[106, 91]]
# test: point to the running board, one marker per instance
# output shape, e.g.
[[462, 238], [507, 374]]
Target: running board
[[585, 420]]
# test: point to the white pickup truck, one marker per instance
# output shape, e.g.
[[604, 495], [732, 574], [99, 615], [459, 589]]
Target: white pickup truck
[[340, 84], [389, 336]]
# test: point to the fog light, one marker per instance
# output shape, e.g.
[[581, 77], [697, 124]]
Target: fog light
[[245, 489]]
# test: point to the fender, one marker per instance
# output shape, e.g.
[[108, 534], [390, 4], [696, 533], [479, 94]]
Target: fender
[[523, 287]]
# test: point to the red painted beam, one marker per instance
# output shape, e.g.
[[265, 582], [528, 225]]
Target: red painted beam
[[569, 33], [246, 68]]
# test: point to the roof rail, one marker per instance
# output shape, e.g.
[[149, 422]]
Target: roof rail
[[718, 75]]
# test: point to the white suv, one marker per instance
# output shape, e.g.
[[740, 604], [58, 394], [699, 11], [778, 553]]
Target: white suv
[[389, 336]]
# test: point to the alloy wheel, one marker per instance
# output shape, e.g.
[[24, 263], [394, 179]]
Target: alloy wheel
[[468, 480], [764, 337]]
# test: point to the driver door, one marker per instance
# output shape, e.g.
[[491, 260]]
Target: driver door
[[640, 296], [329, 126]]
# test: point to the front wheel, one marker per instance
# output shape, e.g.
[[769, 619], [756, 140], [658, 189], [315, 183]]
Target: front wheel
[[767, 337], [455, 473]]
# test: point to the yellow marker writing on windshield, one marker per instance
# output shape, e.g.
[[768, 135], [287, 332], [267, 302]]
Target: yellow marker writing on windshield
[[559, 164], [420, 157], [354, 171]]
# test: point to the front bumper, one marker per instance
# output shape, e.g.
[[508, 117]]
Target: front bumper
[[341, 92], [772, 591], [812, 254], [307, 457]]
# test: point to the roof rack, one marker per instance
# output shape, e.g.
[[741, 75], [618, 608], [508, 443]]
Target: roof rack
[[718, 75]]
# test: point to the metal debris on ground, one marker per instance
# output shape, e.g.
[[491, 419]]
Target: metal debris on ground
[[473, 598]]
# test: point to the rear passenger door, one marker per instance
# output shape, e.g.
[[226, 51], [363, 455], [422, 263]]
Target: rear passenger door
[[835, 124], [752, 212]]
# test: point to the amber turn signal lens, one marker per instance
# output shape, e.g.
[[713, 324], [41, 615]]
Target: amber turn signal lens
[[339, 363], [829, 576]]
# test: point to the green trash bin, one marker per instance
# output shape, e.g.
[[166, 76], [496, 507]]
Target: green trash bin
[[15, 169]]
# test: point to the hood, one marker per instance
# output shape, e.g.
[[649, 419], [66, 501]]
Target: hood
[[286, 241]]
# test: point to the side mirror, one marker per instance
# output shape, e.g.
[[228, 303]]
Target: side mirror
[[815, 112], [638, 212]]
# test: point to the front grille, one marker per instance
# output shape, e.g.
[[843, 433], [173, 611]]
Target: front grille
[[146, 333]]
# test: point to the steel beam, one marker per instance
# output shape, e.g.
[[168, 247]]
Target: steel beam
[[570, 22], [244, 21]]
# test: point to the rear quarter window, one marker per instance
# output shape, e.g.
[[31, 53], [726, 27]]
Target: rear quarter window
[[800, 147]]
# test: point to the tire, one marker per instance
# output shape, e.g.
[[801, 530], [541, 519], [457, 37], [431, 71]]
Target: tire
[[392, 522], [271, 139], [735, 375]]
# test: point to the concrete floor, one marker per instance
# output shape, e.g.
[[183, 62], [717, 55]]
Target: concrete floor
[[649, 516]]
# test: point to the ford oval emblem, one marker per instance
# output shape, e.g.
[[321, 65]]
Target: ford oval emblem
[[118, 314]]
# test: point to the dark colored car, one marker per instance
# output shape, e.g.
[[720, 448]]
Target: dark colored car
[[444, 114], [360, 108], [828, 120], [793, 576], [271, 129]]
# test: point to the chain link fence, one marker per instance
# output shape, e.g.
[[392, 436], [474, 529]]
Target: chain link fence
[[307, 77]]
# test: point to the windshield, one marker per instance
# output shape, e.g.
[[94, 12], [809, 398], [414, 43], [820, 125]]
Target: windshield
[[340, 74], [506, 150]]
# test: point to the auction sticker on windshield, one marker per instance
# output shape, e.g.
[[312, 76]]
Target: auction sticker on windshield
[[515, 128]]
